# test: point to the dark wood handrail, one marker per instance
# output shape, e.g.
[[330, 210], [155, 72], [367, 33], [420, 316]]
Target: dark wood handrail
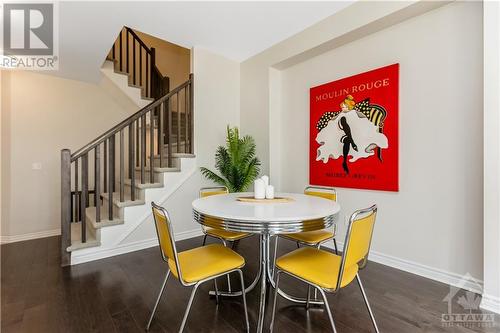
[[139, 40], [117, 128]]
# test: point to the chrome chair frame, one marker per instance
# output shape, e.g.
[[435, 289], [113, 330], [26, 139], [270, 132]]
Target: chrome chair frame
[[317, 245], [354, 217], [185, 284], [224, 241]]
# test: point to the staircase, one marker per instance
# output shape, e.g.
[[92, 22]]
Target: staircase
[[106, 186]]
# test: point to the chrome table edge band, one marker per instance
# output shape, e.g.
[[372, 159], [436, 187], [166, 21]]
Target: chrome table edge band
[[263, 227]]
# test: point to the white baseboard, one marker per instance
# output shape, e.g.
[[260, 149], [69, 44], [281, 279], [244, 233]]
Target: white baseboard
[[450, 278], [91, 254], [29, 236], [490, 303]]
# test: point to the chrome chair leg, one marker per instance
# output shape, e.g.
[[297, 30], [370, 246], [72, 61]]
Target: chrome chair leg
[[274, 301], [327, 306], [335, 246], [216, 292], [228, 278], [308, 297], [158, 300], [244, 300], [275, 255], [204, 240], [188, 307], [367, 303]]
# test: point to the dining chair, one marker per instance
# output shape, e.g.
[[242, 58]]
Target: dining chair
[[224, 236], [195, 266], [318, 237], [328, 272]]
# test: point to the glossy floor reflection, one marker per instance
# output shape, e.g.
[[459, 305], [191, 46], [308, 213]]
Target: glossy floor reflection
[[116, 295]]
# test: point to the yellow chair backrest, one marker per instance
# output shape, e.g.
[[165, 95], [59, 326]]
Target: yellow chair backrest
[[359, 237], [324, 192], [164, 232], [208, 191]]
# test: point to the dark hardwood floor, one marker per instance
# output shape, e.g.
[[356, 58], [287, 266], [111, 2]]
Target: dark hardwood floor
[[117, 294]]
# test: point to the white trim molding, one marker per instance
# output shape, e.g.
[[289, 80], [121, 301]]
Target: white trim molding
[[490, 303], [80, 257], [436, 274], [29, 236]]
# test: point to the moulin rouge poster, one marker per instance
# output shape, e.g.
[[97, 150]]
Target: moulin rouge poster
[[354, 131]]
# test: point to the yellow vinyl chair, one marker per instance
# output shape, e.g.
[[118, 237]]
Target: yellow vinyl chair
[[195, 266], [224, 236], [317, 237], [328, 272]]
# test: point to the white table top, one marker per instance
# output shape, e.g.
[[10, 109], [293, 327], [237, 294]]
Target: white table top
[[303, 207]]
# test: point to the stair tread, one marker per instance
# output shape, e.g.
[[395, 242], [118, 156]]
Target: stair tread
[[127, 200], [159, 170], [76, 238], [90, 213], [143, 186]]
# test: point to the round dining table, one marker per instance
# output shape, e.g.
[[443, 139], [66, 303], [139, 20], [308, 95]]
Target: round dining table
[[294, 213]]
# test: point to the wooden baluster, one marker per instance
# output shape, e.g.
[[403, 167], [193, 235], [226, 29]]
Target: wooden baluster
[[77, 194], [133, 60], [152, 65], [137, 143], [122, 167], [143, 149], [83, 197], [121, 52], [186, 127], [131, 160], [191, 113], [111, 178], [127, 36], [105, 167], [97, 183], [160, 131], [146, 92], [178, 123], [140, 66], [169, 133], [151, 146]]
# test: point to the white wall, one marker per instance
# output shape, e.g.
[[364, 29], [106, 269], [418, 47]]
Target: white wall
[[439, 206], [42, 114], [444, 239], [216, 105], [491, 261]]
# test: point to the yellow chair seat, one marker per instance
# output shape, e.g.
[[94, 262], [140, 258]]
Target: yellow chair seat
[[311, 237], [224, 234], [206, 261], [316, 266]]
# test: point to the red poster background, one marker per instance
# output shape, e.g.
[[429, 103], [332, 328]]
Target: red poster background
[[365, 173]]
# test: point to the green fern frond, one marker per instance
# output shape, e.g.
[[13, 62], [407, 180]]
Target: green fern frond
[[236, 162]]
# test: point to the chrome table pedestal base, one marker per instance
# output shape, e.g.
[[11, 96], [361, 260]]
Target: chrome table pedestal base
[[265, 275]]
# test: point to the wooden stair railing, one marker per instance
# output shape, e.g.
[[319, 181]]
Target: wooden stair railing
[[118, 154], [133, 57]]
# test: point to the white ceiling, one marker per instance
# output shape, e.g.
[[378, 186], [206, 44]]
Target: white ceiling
[[237, 30]]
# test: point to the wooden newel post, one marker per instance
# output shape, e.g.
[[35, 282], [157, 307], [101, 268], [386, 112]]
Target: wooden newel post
[[65, 206]]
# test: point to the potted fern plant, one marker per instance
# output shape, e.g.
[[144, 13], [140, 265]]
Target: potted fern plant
[[236, 162]]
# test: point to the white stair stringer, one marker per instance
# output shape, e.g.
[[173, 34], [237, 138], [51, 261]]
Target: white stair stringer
[[110, 237], [121, 81]]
